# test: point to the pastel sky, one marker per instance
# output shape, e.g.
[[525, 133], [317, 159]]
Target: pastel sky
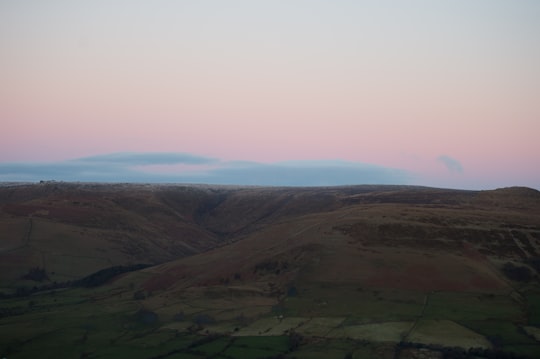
[[441, 93]]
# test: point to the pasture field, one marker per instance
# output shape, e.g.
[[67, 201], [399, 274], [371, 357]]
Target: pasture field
[[271, 326], [533, 332], [356, 304], [459, 306], [503, 332], [533, 308], [447, 333], [104, 321], [322, 327], [340, 348], [498, 318], [257, 347], [376, 332]]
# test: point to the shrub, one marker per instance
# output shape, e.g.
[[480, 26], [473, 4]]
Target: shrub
[[146, 316], [201, 319], [36, 274], [517, 273]]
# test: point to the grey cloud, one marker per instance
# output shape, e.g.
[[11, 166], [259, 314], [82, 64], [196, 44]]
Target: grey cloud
[[65, 171], [32, 168], [300, 173], [149, 158], [129, 167], [114, 167], [450, 163]]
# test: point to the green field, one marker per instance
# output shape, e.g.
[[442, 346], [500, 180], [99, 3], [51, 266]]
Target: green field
[[472, 306], [356, 304], [533, 308], [331, 322]]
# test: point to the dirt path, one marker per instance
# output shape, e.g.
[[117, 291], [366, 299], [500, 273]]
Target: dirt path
[[426, 302], [26, 239], [526, 254]]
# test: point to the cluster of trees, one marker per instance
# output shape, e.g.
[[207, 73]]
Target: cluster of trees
[[517, 273], [103, 276], [146, 316], [271, 266], [36, 274], [295, 340], [93, 280]]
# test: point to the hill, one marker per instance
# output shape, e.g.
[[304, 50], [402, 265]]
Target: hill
[[370, 271]]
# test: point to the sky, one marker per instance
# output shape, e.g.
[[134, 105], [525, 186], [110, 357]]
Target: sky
[[271, 92]]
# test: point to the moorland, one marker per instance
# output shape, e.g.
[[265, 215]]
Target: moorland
[[91, 270]]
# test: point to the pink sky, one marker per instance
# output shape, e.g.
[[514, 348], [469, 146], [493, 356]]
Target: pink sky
[[373, 82]]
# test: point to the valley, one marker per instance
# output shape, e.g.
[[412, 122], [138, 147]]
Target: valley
[[268, 272]]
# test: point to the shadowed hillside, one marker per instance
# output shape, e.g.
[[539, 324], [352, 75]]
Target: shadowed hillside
[[374, 271], [55, 225]]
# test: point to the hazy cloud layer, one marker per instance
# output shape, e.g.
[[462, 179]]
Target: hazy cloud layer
[[139, 167], [450, 163], [304, 173], [150, 158]]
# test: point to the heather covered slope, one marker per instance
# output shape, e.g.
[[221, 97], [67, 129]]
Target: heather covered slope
[[318, 271], [72, 230]]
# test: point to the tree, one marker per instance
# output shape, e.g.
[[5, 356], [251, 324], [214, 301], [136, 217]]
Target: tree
[[517, 273], [36, 274]]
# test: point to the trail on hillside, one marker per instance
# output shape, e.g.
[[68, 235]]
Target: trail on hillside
[[520, 245], [26, 239], [426, 302]]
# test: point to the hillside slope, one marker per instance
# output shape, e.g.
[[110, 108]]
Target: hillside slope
[[364, 269], [72, 229]]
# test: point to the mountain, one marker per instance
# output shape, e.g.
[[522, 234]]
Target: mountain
[[370, 271]]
